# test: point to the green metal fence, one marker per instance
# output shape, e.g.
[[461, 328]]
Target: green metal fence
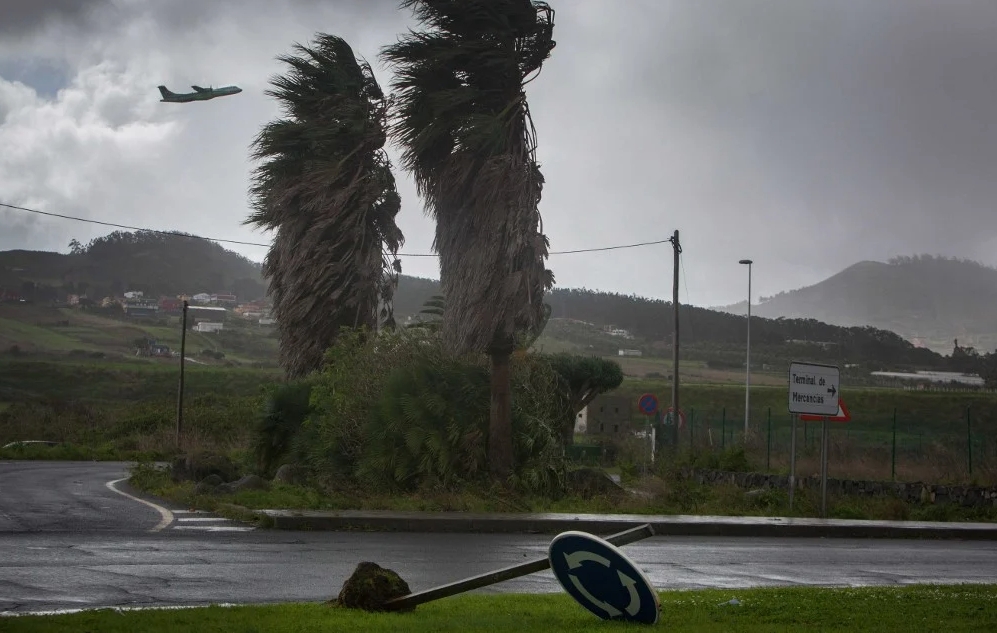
[[900, 447]]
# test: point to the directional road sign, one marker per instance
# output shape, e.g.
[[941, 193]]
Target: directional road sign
[[813, 389], [648, 404], [602, 579]]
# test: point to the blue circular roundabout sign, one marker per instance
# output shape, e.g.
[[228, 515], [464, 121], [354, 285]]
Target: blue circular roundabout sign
[[603, 579]]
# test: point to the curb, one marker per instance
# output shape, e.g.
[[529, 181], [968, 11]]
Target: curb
[[678, 525]]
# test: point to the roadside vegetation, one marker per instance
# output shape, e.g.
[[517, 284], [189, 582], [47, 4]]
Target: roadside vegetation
[[955, 609]]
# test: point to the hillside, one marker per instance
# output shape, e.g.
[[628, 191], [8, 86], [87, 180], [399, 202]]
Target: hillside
[[712, 335], [170, 265], [928, 300], [153, 263]]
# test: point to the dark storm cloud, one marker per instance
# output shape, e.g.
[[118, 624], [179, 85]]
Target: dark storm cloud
[[806, 135], [25, 16]]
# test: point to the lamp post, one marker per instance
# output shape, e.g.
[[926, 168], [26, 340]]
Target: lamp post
[[747, 375]]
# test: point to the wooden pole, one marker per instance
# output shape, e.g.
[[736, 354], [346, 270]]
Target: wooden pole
[[183, 351], [676, 251], [523, 569]]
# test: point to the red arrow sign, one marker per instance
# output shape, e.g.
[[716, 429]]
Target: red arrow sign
[[843, 415]]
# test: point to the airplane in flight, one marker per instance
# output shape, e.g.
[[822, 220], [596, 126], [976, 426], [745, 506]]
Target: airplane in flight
[[199, 94]]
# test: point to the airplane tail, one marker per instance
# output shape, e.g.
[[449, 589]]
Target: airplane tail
[[166, 93]]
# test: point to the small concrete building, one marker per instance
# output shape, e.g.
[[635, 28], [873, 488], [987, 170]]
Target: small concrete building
[[609, 416]]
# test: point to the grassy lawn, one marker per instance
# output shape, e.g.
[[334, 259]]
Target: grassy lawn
[[952, 609], [663, 497]]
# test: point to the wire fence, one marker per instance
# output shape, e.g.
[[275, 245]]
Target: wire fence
[[950, 448], [894, 448]]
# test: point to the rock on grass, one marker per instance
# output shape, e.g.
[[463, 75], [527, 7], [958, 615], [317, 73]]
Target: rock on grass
[[370, 587]]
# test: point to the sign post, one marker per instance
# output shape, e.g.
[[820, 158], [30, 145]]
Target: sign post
[[508, 573], [792, 460], [824, 450], [813, 391], [648, 405]]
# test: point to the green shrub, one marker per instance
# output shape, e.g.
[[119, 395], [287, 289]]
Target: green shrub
[[286, 407], [395, 411], [430, 425], [332, 440]]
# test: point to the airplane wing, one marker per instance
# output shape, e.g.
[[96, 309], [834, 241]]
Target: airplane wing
[[200, 89]]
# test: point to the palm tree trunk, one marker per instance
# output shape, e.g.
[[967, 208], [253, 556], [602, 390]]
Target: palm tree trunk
[[500, 453]]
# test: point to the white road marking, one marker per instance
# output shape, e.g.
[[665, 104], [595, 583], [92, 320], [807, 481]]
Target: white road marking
[[196, 519], [15, 614], [163, 512], [189, 512], [214, 528]]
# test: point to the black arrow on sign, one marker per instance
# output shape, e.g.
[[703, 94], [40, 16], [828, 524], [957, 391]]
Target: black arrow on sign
[[832, 390]]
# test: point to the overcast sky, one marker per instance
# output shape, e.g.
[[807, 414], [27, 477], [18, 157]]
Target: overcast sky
[[805, 135]]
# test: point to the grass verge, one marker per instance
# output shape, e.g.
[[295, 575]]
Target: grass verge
[[665, 498], [74, 452], [968, 608]]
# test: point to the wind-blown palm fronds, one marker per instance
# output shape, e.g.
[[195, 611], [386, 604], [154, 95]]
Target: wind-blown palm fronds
[[464, 125], [325, 186]]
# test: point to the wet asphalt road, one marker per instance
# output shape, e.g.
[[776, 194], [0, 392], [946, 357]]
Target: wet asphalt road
[[67, 541]]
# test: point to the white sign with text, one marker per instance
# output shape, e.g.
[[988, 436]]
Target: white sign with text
[[813, 389]]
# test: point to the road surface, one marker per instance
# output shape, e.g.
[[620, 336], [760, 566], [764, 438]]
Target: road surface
[[68, 541]]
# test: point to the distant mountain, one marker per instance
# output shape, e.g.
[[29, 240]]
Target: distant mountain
[[710, 334], [930, 301]]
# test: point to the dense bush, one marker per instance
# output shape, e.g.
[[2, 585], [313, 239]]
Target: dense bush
[[285, 409], [396, 412]]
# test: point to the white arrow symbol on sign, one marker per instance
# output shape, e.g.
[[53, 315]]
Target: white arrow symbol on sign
[[575, 560], [631, 586], [608, 608]]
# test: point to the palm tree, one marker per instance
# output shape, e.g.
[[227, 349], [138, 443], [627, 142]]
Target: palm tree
[[464, 126], [326, 188]]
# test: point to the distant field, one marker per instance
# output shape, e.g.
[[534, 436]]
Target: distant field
[[42, 329]]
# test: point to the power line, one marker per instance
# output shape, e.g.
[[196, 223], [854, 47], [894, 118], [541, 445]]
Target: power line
[[224, 241]]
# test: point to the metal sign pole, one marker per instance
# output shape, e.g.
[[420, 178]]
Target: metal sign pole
[[823, 467], [523, 569], [792, 459]]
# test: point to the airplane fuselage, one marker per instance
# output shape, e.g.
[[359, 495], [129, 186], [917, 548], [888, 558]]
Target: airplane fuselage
[[199, 94]]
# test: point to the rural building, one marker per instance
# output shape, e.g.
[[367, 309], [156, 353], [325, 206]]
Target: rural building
[[141, 309], [267, 321], [207, 326], [581, 420], [224, 299], [213, 313], [608, 416], [133, 294], [615, 331], [170, 306], [631, 352], [201, 297]]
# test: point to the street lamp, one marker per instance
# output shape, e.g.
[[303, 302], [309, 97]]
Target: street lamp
[[747, 375]]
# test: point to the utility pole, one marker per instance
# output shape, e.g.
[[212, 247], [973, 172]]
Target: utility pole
[[183, 350], [676, 251], [747, 360]]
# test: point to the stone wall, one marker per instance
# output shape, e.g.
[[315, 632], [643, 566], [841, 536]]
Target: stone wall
[[912, 492]]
